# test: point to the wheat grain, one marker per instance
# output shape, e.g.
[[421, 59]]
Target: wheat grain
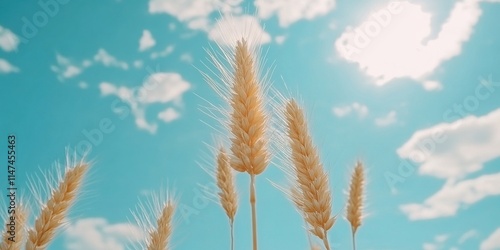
[[159, 238], [15, 241], [355, 203], [312, 189], [53, 213]]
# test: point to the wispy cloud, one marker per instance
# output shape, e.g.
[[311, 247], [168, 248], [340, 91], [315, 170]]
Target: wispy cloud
[[492, 242], [99, 234], [437, 243], [187, 58], [6, 67], [342, 111], [147, 41], [159, 88], [289, 12], [467, 236], [8, 40], [387, 120], [167, 51], [65, 68], [399, 37], [108, 60]]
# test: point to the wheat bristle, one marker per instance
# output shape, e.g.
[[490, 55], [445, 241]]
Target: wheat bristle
[[54, 211], [314, 196], [21, 216], [355, 203], [225, 181], [159, 238], [248, 118]]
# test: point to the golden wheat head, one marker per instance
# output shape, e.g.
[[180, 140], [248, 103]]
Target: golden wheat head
[[225, 181], [355, 203], [248, 118], [54, 211], [312, 194]]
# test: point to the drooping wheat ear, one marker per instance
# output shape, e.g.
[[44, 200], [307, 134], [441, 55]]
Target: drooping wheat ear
[[312, 188], [15, 240], [227, 195], [248, 124], [355, 203], [54, 211], [159, 237]]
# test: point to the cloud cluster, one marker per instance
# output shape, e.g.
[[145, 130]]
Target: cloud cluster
[[400, 35], [99, 234], [158, 88], [66, 68], [492, 242], [452, 151]]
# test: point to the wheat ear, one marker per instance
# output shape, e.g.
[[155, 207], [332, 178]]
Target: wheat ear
[[159, 237], [248, 124], [227, 194], [55, 209], [355, 204], [313, 196], [9, 243]]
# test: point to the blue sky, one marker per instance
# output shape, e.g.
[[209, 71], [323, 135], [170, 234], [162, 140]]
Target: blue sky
[[410, 87]]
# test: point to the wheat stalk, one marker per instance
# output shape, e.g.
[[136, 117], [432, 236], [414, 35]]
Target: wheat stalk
[[312, 194], [355, 203], [54, 211], [248, 122], [20, 216], [159, 237], [227, 194]]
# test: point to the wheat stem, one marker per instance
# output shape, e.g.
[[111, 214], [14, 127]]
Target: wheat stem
[[254, 212], [232, 234]]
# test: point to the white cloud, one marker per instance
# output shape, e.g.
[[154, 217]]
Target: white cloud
[[193, 12], [400, 38], [230, 29], [147, 41], [492, 242], [158, 88], [65, 68], [6, 67], [167, 51], [360, 109], [453, 150], [99, 234], [453, 196], [108, 60], [83, 85], [187, 58], [467, 236], [280, 39], [437, 243], [291, 11], [8, 40], [169, 115], [387, 120], [138, 64], [430, 85]]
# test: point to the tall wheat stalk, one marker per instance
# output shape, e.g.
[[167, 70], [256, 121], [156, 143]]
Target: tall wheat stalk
[[311, 193], [54, 211], [355, 203], [21, 215], [248, 123], [228, 196]]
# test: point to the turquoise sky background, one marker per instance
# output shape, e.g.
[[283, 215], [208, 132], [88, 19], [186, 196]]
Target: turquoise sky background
[[412, 88]]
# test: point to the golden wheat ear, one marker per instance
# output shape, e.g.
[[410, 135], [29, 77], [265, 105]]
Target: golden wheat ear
[[228, 196], [311, 192], [155, 218], [14, 239], [53, 213], [355, 204]]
